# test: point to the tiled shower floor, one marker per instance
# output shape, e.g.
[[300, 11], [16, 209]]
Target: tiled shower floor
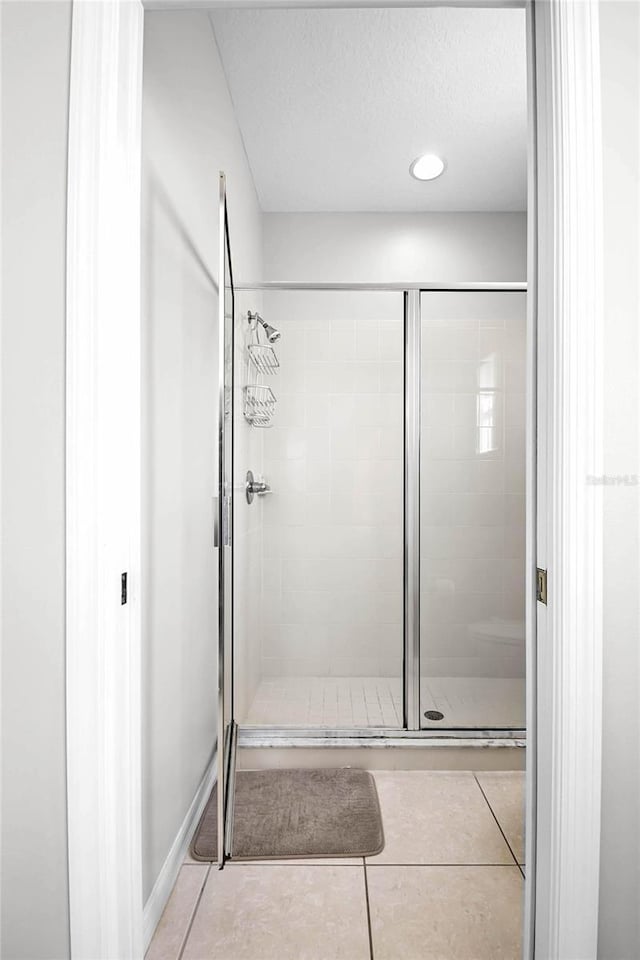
[[377, 702]]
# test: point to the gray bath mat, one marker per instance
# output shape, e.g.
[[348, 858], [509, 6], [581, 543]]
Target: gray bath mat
[[287, 814]]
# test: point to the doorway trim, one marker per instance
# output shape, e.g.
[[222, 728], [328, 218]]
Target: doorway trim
[[570, 322], [103, 474], [103, 506]]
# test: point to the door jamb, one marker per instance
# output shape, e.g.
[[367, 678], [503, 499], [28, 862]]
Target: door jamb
[[570, 318], [103, 504]]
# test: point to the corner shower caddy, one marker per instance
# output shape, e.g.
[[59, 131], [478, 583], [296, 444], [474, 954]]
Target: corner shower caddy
[[259, 398]]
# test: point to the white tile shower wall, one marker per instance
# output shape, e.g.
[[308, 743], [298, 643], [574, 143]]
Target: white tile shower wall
[[472, 485], [332, 575], [248, 546]]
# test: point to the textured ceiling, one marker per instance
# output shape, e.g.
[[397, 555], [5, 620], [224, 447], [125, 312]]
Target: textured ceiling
[[333, 105]]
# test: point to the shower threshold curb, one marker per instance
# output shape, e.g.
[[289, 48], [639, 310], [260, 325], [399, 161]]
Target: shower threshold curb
[[260, 737]]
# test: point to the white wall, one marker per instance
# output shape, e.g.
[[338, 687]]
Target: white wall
[[35, 90], [189, 135], [390, 247], [619, 921]]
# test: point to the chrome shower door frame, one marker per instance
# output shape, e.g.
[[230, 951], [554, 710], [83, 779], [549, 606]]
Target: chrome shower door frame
[[413, 645], [411, 728], [411, 546]]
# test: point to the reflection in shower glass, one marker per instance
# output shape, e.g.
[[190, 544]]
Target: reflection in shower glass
[[473, 509]]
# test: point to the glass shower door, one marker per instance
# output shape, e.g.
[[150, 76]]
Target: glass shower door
[[326, 650], [227, 728], [472, 528]]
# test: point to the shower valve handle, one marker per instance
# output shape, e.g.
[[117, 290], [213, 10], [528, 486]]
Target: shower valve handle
[[255, 487]]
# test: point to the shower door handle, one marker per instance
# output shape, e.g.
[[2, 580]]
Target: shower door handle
[[222, 537], [216, 521], [226, 521], [225, 539]]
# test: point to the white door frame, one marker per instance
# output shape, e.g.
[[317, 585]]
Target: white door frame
[[568, 723], [103, 474], [103, 635]]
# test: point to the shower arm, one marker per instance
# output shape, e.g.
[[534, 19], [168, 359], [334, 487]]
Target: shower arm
[[256, 321]]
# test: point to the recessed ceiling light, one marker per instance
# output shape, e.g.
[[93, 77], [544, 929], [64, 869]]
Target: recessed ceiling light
[[427, 167]]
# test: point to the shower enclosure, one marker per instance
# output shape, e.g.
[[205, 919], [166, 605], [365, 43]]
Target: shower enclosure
[[391, 590], [375, 502]]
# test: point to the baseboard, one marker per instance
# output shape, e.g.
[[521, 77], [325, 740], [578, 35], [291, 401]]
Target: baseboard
[[171, 867]]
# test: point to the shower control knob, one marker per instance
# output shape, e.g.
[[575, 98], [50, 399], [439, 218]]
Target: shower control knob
[[255, 487]]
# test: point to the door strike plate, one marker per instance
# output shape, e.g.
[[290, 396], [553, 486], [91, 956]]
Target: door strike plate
[[541, 585]]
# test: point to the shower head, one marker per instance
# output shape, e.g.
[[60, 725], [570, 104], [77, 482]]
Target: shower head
[[273, 335]]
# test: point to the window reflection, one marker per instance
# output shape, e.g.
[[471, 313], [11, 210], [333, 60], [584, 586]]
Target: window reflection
[[486, 427], [487, 405]]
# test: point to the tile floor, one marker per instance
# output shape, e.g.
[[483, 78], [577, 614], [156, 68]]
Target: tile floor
[[447, 886], [377, 702]]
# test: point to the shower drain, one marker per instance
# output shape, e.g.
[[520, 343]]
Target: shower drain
[[434, 715]]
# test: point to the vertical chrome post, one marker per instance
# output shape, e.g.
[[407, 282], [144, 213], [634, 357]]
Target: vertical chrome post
[[221, 522], [226, 669], [412, 405]]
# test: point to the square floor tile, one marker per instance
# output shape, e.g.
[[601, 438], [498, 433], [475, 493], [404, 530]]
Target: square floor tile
[[504, 789], [437, 817], [445, 913], [253, 912], [171, 931]]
